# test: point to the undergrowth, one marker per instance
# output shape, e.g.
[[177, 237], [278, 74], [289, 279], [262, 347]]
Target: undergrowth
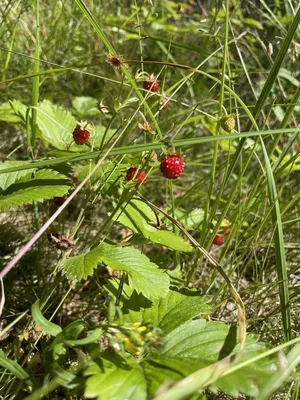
[[149, 229]]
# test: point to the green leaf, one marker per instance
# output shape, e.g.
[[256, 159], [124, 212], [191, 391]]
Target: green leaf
[[288, 366], [7, 114], [144, 276], [11, 177], [85, 106], [92, 337], [115, 377], [45, 185], [14, 368], [106, 176], [49, 327], [190, 220], [19, 109], [198, 344], [56, 125], [167, 313], [137, 216]]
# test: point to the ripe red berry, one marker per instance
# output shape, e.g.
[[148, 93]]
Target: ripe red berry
[[141, 177], [59, 201], [81, 135], [219, 239], [151, 84], [172, 166]]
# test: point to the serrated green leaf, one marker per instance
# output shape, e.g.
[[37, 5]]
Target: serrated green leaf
[[85, 106], [11, 177], [7, 114], [49, 327], [14, 368], [198, 344], [167, 313], [135, 216], [56, 125], [19, 109], [45, 185], [115, 377], [144, 276]]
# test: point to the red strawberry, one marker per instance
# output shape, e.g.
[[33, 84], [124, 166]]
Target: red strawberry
[[141, 177], [152, 84], [81, 133], [172, 166], [219, 239]]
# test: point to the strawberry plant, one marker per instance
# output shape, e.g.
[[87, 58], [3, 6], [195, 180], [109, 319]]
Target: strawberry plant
[[128, 269]]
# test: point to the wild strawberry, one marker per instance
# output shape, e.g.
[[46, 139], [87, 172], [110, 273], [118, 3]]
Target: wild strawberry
[[172, 166], [81, 133], [228, 123], [131, 173], [219, 239], [151, 83], [59, 201]]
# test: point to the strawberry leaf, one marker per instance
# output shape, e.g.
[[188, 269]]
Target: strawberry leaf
[[144, 276], [11, 177], [198, 344], [138, 217], [115, 376], [56, 125], [167, 313], [44, 185]]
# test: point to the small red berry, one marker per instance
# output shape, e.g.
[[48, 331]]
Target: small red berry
[[141, 177], [151, 84], [219, 239], [172, 166], [59, 201], [81, 134]]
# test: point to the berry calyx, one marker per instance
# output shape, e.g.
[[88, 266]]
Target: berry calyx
[[151, 83], [81, 133], [172, 166], [228, 123], [219, 239], [131, 173]]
